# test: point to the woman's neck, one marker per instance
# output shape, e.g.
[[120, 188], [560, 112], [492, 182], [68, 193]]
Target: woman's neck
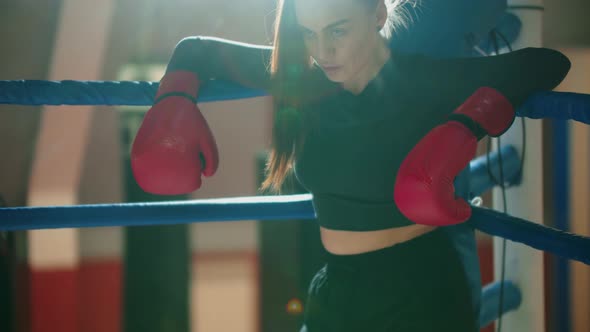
[[379, 58]]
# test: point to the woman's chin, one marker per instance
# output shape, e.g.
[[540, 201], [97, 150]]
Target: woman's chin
[[334, 77]]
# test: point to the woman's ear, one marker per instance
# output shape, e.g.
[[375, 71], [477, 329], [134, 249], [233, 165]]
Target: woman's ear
[[381, 14]]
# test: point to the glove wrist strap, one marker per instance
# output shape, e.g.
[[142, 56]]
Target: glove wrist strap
[[468, 122], [175, 94]]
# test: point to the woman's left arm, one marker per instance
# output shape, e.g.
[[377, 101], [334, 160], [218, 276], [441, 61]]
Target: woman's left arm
[[517, 75]]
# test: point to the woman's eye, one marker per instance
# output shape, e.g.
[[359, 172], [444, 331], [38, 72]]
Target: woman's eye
[[308, 34], [338, 33]]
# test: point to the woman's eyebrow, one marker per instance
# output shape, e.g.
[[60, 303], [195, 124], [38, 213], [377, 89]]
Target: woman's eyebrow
[[333, 24]]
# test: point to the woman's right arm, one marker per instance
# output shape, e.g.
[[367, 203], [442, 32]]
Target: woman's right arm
[[223, 59], [174, 144]]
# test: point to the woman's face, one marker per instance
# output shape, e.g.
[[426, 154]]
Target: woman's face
[[340, 35]]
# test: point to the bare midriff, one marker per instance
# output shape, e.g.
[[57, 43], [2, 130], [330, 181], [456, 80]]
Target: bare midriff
[[341, 242]]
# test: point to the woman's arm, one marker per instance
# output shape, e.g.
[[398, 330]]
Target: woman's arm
[[174, 144], [223, 59], [517, 75], [447, 83]]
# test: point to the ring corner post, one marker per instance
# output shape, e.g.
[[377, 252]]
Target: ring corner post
[[523, 265]]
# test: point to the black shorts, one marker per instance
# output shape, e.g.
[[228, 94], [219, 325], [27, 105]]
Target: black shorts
[[418, 285]]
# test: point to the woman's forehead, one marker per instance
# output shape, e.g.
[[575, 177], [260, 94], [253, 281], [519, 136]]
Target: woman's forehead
[[316, 15]]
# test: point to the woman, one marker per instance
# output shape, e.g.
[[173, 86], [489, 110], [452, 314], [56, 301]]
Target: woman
[[354, 120]]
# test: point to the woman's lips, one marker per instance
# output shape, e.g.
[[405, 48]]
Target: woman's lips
[[330, 69]]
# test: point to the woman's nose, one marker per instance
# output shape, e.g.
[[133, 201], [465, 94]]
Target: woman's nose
[[325, 51]]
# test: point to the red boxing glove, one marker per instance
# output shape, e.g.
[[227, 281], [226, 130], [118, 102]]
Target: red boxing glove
[[486, 112], [165, 157], [424, 191]]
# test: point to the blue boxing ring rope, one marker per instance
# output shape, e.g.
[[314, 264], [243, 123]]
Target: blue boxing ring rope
[[128, 93], [556, 105], [285, 207], [547, 104]]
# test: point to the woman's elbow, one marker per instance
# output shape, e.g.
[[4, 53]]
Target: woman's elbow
[[188, 53]]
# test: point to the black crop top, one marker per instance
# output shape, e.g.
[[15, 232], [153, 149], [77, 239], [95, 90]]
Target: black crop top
[[356, 143]]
